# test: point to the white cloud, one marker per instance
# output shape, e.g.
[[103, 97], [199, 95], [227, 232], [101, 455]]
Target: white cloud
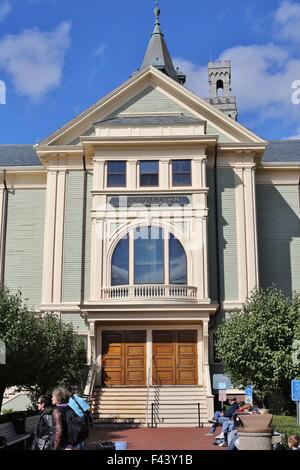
[[287, 20], [100, 50], [261, 75], [295, 136], [5, 9], [34, 59]]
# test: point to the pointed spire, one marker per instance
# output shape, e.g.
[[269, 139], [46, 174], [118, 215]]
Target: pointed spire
[[157, 53]]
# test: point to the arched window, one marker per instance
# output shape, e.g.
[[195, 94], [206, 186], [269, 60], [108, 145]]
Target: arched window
[[157, 258], [120, 263], [178, 263], [220, 88]]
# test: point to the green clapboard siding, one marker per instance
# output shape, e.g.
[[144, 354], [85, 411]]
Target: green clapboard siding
[[151, 100], [223, 139], [279, 236], [77, 238], [212, 260], [76, 320], [228, 266], [25, 243]]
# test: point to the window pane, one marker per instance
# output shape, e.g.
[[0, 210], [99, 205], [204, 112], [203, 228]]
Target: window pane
[[181, 166], [116, 181], [149, 180], [149, 256], [183, 179], [120, 264], [149, 167], [116, 167], [178, 263]]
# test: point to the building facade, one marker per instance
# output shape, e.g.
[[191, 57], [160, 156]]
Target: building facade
[[148, 217]]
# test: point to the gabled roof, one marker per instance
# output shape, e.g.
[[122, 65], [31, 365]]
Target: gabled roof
[[18, 155], [282, 151], [105, 107]]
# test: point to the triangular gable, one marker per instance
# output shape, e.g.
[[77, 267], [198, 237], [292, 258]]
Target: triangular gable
[[151, 100], [151, 91]]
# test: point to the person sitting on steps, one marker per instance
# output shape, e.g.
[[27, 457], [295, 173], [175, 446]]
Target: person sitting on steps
[[222, 417]]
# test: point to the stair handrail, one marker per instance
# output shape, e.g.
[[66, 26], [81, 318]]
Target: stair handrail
[[90, 381], [200, 425]]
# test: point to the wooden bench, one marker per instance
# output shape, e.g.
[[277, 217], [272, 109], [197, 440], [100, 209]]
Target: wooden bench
[[7, 430], [31, 423]]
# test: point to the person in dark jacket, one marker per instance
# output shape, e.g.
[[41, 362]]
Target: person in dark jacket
[[222, 417], [60, 399], [43, 434]]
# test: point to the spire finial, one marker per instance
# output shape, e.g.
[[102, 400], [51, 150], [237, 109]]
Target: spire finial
[[157, 11]]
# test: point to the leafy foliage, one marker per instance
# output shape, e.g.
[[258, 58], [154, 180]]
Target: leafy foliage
[[41, 352], [255, 343]]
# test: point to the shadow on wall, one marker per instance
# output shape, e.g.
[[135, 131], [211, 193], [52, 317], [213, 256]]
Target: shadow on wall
[[278, 226]]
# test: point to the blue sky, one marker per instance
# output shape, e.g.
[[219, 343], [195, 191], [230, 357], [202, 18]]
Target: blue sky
[[57, 57]]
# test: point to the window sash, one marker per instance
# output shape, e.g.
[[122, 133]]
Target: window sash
[[149, 176], [116, 178], [184, 173]]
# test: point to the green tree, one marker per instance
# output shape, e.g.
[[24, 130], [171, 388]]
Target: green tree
[[255, 344], [19, 330], [41, 352], [63, 357]]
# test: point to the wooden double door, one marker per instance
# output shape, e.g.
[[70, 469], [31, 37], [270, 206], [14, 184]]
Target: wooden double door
[[175, 358], [124, 358]]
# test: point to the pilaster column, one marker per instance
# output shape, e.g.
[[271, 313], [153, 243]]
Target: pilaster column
[[49, 239], [132, 174], [97, 260], [246, 230], [207, 380], [164, 175], [59, 237], [99, 175]]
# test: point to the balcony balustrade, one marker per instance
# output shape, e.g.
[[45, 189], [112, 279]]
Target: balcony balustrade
[[150, 292]]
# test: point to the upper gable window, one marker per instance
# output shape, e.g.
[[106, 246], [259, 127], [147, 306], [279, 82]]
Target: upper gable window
[[182, 172], [149, 173], [116, 174]]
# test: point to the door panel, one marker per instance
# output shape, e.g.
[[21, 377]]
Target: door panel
[[163, 363], [175, 358], [186, 358], [124, 358]]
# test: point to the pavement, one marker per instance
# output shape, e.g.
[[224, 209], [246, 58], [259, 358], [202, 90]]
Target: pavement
[[155, 439]]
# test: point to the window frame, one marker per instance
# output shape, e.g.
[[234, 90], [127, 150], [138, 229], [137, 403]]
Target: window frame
[[182, 173], [145, 174], [108, 174]]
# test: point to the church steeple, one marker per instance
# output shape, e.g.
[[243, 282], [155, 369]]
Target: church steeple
[[157, 53]]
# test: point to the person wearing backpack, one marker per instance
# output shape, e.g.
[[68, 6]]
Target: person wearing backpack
[[80, 420], [62, 438]]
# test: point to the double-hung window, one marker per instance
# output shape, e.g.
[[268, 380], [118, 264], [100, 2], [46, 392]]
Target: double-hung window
[[182, 172], [149, 173], [116, 174]]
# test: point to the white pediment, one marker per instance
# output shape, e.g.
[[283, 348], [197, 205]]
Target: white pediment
[[151, 96]]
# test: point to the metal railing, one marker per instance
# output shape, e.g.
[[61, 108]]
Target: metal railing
[[149, 291], [154, 425]]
